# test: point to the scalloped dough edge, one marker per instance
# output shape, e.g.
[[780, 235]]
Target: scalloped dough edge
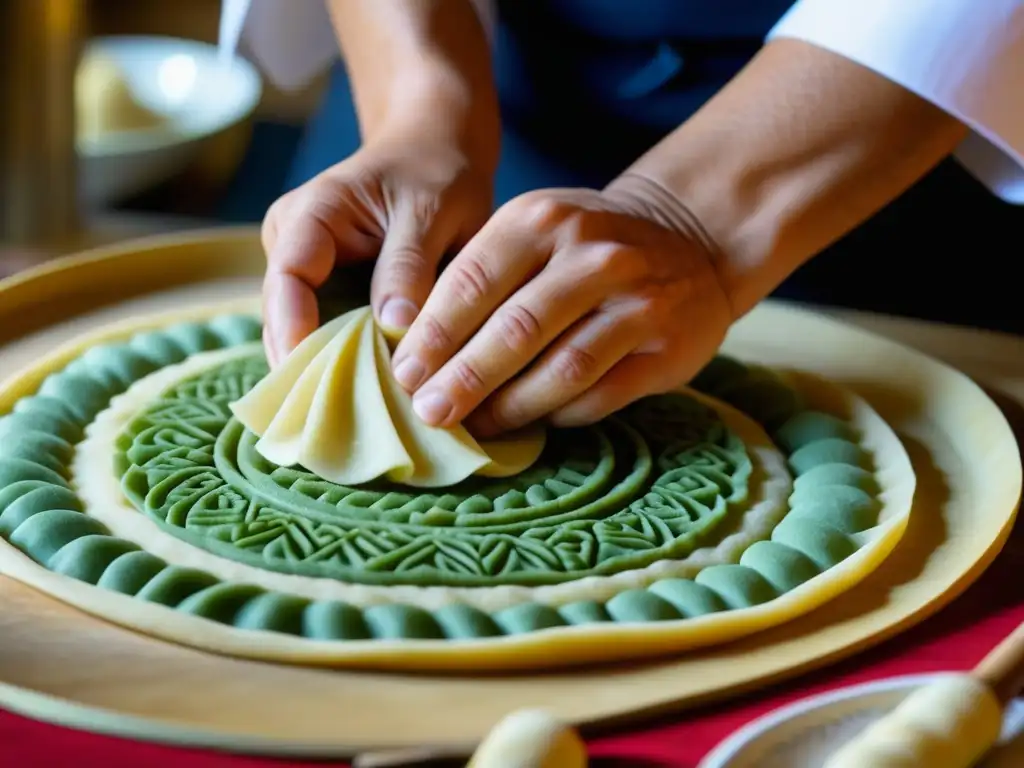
[[546, 648]]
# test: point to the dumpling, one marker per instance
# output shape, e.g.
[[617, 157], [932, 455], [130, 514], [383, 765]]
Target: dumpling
[[334, 408]]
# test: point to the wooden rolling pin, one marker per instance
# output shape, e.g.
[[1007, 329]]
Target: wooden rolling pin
[[952, 723]]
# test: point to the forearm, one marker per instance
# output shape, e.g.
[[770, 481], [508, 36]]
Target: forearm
[[798, 150], [420, 65]]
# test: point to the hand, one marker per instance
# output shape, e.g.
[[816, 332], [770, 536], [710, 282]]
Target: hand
[[568, 304], [403, 201]]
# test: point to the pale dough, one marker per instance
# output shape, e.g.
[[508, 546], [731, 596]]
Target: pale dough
[[949, 724], [104, 102], [335, 408], [530, 738], [98, 486], [577, 644]]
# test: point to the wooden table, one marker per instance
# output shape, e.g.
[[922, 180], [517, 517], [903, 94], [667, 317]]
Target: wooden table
[[956, 638], [99, 229]]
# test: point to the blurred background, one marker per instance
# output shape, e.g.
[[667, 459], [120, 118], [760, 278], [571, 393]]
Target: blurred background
[[122, 119]]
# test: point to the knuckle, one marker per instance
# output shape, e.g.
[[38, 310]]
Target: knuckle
[[573, 365], [326, 197], [548, 212], [317, 209], [302, 200], [272, 222], [612, 260], [601, 257], [468, 379], [649, 309], [304, 249], [302, 211], [281, 204], [519, 328], [268, 237], [405, 263], [470, 283], [432, 334], [541, 209], [575, 229]]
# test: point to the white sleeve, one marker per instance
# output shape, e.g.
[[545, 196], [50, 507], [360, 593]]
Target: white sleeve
[[291, 41], [964, 56]]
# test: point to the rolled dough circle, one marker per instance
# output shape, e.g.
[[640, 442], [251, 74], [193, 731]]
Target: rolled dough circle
[[839, 450]]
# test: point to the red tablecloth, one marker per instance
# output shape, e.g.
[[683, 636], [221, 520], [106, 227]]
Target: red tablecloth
[[956, 638]]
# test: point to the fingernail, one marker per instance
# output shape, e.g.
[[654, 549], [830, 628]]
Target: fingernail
[[409, 373], [398, 313], [431, 407]]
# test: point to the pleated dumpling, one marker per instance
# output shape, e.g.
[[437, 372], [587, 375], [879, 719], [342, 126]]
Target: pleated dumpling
[[334, 408]]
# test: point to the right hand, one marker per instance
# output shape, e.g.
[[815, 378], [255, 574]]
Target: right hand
[[405, 201]]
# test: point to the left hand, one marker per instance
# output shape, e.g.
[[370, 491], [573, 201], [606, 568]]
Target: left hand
[[568, 304]]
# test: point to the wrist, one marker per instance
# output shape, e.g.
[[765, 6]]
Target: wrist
[[732, 209], [438, 106], [421, 67], [795, 152], [648, 196]]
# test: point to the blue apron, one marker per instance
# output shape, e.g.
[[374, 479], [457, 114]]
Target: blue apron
[[586, 86]]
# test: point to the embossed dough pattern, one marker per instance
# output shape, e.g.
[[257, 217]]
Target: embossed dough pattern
[[650, 485], [836, 500]]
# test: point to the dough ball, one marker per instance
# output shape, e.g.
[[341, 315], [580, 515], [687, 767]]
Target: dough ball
[[530, 739], [104, 102]]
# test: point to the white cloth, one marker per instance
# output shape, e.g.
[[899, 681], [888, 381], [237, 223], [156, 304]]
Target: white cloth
[[964, 56], [292, 41]]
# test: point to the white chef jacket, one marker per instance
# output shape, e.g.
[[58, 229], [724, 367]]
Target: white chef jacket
[[964, 56]]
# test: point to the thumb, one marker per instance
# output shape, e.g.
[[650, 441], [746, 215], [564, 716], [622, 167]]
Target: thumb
[[407, 267], [300, 260]]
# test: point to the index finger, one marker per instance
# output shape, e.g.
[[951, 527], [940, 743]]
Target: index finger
[[492, 266], [300, 261]]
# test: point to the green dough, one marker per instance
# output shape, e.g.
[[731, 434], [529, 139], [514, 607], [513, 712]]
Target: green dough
[[649, 484]]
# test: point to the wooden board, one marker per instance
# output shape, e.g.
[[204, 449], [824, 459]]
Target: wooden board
[[60, 665]]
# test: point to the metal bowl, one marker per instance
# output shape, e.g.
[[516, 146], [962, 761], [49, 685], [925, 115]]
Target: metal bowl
[[203, 97], [804, 734]]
